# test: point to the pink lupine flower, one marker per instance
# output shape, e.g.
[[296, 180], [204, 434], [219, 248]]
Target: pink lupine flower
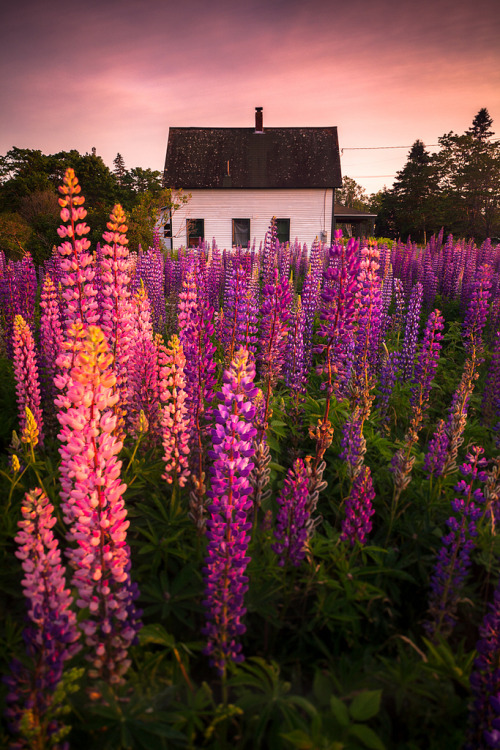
[[175, 417], [116, 310], [76, 263], [93, 506], [51, 338], [26, 374]]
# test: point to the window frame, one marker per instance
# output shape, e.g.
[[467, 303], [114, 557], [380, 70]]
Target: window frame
[[240, 244], [193, 234], [279, 232]]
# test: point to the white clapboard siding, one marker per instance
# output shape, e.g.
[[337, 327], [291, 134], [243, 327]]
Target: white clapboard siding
[[309, 211]]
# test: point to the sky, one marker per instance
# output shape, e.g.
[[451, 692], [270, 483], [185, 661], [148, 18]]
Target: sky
[[116, 74]]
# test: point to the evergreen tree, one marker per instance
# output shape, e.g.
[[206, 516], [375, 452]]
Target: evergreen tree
[[413, 198], [469, 178], [119, 169]]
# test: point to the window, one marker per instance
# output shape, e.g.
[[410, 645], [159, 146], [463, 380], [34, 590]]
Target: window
[[167, 228], [195, 231], [283, 230], [241, 232]]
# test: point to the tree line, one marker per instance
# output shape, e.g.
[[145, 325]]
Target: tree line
[[457, 189], [29, 208]]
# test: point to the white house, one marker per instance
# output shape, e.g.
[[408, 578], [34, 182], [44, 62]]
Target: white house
[[239, 178]]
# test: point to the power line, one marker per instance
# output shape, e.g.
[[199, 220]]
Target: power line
[[377, 148]]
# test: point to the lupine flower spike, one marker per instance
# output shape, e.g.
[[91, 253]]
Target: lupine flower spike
[[51, 634], [93, 507], [227, 527]]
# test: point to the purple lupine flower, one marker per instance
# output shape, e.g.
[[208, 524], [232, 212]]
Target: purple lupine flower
[[412, 324], [453, 560], [425, 369], [51, 632], [387, 379], [233, 315], [26, 375], [296, 366], [269, 253], [291, 530], [353, 443], [477, 311], [436, 451], [150, 270], [491, 396], [399, 311], [310, 302], [359, 509], [483, 732], [227, 527]]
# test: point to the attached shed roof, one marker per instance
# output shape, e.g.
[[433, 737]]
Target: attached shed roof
[[244, 158], [344, 213]]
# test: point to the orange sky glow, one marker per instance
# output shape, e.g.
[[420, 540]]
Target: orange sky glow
[[115, 75]]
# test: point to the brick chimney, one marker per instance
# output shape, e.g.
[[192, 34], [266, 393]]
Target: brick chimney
[[258, 120]]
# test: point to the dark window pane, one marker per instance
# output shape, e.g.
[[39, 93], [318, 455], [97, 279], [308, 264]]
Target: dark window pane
[[195, 231], [283, 230], [241, 232]]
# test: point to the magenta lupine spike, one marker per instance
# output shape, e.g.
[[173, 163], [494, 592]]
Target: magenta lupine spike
[[291, 530], [233, 312], [357, 524], [116, 308], [175, 417], [94, 509], [195, 331], [26, 375], [483, 732], [368, 316], [228, 528], [51, 632], [76, 263], [366, 344], [275, 313], [453, 560], [337, 317], [143, 377]]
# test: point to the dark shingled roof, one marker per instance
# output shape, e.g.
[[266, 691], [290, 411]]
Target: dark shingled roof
[[242, 158]]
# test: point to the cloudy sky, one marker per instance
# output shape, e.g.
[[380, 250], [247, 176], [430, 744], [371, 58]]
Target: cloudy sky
[[115, 74]]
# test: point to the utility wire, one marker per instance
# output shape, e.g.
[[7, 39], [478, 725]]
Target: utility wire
[[377, 148]]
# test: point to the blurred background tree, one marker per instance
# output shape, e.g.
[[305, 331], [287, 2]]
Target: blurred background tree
[[28, 198]]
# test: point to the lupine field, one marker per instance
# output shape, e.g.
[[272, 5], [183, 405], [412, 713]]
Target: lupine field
[[250, 498]]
